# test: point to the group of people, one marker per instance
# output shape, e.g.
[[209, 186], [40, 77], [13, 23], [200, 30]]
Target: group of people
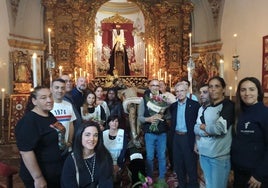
[[74, 137]]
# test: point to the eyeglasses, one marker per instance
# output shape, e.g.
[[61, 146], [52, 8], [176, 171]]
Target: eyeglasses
[[154, 85]]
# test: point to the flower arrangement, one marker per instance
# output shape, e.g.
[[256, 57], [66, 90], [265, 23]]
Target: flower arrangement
[[157, 104], [145, 182]]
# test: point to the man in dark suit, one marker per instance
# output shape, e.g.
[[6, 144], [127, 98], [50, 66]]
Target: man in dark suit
[[183, 117]]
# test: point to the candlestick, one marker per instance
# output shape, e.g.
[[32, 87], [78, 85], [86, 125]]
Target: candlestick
[[60, 70], [230, 92], [221, 68], [189, 74], [34, 69], [3, 101], [49, 40], [170, 82]]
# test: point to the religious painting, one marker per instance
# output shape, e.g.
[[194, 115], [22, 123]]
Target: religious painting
[[265, 65], [17, 107], [23, 71]]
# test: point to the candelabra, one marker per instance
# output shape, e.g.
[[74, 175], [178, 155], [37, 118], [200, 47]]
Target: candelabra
[[190, 68], [50, 65], [236, 67], [236, 63]]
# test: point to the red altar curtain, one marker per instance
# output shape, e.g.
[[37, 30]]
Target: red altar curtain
[[107, 34]]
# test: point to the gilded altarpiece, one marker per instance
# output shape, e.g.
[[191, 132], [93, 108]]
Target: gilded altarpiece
[[167, 25]]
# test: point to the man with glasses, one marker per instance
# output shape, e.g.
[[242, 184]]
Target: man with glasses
[[155, 140], [68, 97]]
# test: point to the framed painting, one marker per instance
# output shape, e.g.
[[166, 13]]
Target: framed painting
[[265, 65]]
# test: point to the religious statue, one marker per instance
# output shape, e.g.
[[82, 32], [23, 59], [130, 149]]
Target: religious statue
[[119, 60]]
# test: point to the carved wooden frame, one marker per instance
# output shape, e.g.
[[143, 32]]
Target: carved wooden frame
[[17, 107]]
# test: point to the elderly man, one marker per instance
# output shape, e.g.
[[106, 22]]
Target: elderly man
[[78, 93], [155, 139], [183, 116]]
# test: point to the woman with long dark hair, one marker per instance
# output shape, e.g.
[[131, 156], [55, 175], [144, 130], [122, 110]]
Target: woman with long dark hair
[[250, 139], [90, 165], [214, 131]]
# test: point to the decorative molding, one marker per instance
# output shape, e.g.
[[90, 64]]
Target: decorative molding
[[215, 8], [14, 9], [207, 48], [117, 19], [26, 45]]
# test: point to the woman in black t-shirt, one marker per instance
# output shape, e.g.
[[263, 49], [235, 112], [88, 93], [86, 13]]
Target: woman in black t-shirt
[[37, 135]]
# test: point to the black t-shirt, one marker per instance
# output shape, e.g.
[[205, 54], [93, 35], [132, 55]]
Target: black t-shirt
[[33, 133]]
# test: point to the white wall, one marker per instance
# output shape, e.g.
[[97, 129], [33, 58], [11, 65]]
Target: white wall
[[4, 47], [248, 19], [29, 22]]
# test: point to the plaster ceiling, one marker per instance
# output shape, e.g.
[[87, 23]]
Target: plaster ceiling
[[120, 7]]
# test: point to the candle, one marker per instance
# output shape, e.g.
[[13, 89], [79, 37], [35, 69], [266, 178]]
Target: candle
[[84, 73], [34, 69], [87, 77], [145, 55], [190, 43], [80, 72], [230, 92], [221, 68], [49, 40], [75, 76], [60, 70], [170, 82], [165, 76], [3, 101], [160, 74]]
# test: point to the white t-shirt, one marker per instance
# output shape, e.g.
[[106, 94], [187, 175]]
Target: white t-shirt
[[64, 113]]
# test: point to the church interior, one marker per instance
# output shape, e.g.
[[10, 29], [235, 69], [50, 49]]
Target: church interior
[[131, 40]]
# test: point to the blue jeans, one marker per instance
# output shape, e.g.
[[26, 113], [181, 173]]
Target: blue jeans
[[156, 142], [216, 171]]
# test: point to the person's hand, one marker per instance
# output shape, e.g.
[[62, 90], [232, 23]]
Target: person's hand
[[116, 169], [253, 183], [203, 127], [40, 182], [196, 149], [101, 127]]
